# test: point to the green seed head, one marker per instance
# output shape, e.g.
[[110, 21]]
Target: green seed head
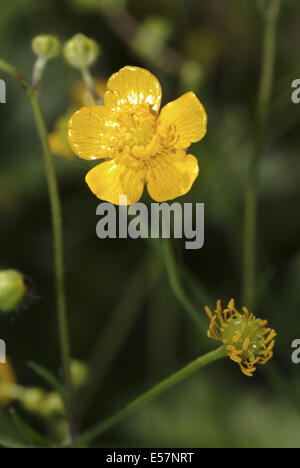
[[246, 334]]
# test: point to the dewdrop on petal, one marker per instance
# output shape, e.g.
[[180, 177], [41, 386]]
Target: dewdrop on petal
[[247, 339], [13, 290], [46, 46], [81, 52]]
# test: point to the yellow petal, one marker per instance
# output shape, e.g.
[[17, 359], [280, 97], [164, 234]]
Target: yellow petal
[[93, 133], [109, 180], [189, 117], [133, 86], [171, 176], [58, 146]]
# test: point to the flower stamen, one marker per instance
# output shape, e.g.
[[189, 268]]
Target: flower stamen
[[246, 339]]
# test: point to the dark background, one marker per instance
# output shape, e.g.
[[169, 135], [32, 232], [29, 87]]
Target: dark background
[[118, 291]]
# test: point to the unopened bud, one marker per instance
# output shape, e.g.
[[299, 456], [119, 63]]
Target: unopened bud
[[52, 405], [12, 290], [81, 51], [79, 373], [32, 399], [46, 46], [191, 76]]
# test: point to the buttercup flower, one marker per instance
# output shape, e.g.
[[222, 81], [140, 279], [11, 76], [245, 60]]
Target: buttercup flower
[[245, 337], [140, 145], [79, 96]]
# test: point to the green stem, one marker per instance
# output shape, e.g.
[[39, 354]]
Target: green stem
[[57, 234], [148, 396], [176, 283], [90, 84], [12, 71], [271, 15], [58, 251], [38, 71]]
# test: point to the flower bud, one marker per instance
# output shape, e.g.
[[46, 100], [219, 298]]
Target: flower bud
[[32, 399], [191, 76], [12, 290], [80, 51], [151, 37], [52, 405], [79, 373], [46, 46]]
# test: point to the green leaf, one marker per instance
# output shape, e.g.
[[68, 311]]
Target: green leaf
[[49, 378], [30, 434], [10, 443]]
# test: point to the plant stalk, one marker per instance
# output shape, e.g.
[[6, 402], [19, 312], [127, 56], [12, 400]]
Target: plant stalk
[[271, 15], [33, 96], [58, 253], [90, 84], [176, 283]]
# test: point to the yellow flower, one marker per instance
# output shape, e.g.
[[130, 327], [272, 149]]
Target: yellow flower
[[140, 145], [7, 377], [245, 337], [79, 96]]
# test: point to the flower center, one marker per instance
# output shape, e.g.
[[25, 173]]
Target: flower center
[[246, 334], [141, 136], [137, 130]]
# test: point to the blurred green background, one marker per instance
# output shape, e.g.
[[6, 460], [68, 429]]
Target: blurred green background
[[124, 319]]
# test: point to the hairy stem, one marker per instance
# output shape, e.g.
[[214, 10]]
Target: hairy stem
[[57, 234], [90, 84], [58, 251]]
